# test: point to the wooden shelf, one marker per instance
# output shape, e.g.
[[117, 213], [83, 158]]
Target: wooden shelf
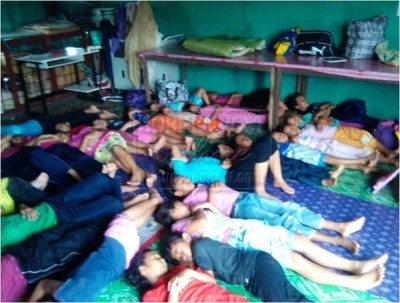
[[82, 88]]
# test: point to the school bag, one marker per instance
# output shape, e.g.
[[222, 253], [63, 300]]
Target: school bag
[[385, 133], [315, 43], [136, 98]]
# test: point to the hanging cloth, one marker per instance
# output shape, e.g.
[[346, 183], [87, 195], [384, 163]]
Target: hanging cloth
[[108, 32], [142, 35]]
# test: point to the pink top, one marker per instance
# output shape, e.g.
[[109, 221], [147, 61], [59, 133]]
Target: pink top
[[125, 232], [230, 115], [179, 226], [224, 198], [76, 140], [223, 99]]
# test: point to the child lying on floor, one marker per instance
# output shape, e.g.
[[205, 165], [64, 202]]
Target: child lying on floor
[[268, 282], [121, 243], [316, 157], [229, 115], [150, 274], [225, 201], [199, 169], [347, 135], [291, 250], [349, 111], [209, 124]]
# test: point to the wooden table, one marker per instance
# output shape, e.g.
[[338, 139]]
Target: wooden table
[[257, 61], [266, 60], [51, 60]]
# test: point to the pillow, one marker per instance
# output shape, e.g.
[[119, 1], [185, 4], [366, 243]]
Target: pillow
[[363, 36]]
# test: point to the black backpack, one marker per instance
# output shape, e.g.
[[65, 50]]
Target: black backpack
[[315, 43]]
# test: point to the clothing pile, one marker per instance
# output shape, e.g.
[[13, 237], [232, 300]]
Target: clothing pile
[[223, 46]]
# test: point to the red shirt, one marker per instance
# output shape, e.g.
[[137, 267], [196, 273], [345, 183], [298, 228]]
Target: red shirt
[[195, 291]]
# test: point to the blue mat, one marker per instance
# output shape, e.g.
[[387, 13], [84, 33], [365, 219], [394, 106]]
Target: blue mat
[[379, 235]]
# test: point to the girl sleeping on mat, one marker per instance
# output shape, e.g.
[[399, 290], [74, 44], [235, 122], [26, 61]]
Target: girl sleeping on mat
[[228, 115], [209, 124], [268, 283], [250, 167], [137, 125], [291, 250], [349, 111], [110, 146], [258, 99], [243, 205], [347, 135], [108, 263], [328, 152]]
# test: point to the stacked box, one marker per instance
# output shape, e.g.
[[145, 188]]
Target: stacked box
[[66, 75]]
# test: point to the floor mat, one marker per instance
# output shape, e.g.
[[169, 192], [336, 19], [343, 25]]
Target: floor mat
[[375, 239], [379, 235], [356, 184]]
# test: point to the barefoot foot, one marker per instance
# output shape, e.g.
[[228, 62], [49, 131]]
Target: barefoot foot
[[352, 246], [109, 169], [92, 109], [337, 172], [362, 267], [285, 187], [41, 181], [150, 180], [159, 144], [373, 162], [368, 280], [154, 194], [348, 228]]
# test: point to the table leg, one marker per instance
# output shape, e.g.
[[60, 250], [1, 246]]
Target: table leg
[[76, 73], [23, 84], [275, 86], [146, 80], [183, 72], [41, 88], [301, 82]]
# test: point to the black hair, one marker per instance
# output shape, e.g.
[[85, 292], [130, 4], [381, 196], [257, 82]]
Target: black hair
[[288, 116], [132, 275], [291, 102], [169, 185], [278, 128], [163, 215], [171, 238], [232, 143], [213, 152], [186, 107]]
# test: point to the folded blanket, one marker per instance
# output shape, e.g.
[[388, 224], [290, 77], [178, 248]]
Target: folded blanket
[[223, 46]]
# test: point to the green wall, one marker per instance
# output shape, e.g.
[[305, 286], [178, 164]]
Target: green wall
[[267, 19], [260, 19]]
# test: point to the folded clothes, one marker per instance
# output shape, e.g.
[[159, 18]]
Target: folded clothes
[[387, 55], [223, 46]]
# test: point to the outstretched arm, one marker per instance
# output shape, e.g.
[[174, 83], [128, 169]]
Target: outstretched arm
[[129, 124], [44, 287], [207, 205], [176, 154], [197, 223], [233, 97]]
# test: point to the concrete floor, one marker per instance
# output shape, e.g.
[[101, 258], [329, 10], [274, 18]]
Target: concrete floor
[[60, 106]]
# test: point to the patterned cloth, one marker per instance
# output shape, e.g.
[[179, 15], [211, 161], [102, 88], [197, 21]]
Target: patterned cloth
[[363, 36]]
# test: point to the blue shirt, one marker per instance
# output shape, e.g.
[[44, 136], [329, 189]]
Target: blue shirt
[[205, 170]]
